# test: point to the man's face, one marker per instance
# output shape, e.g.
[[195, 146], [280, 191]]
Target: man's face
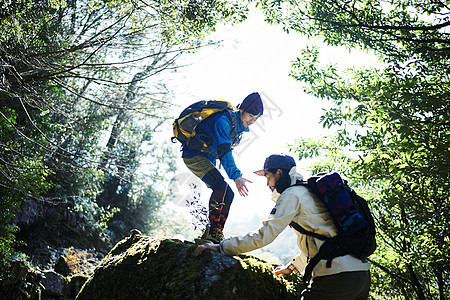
[[248, 119], [272, 178]]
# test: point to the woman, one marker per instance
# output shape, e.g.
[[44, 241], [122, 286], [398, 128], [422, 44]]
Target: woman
[[346, 278]]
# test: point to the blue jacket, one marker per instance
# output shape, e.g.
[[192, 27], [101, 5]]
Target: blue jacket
[[219, 129]]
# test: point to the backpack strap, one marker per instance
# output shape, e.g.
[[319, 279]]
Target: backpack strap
[[330, 249], [233, 120], [199, 141], [302, 230]]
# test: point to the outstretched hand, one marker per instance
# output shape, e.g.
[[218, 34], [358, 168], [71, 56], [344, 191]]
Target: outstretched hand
[[240, 185]]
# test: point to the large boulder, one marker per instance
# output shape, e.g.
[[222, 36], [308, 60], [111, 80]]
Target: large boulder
[[141, 267]]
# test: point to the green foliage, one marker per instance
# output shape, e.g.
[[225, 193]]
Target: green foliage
[[20, 175], [394, 119], [183, 20], [94, 217], [326, 154], [396, 30], [78, 115], [7, 232]]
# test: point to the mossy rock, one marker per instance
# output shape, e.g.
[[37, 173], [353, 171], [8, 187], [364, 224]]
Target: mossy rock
[[140, 267]]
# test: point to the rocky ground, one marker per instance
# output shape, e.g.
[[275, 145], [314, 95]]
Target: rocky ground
[[54, 274], [141, 267]]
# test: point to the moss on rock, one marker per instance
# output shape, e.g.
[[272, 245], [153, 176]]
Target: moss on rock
[[140, 267]]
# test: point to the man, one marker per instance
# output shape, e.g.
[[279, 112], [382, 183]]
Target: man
[[203, 165], [347, 278]]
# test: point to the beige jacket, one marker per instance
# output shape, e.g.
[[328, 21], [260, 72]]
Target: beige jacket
[[299, 205]]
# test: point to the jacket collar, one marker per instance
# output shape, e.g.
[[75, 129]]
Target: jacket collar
[[294, 178]]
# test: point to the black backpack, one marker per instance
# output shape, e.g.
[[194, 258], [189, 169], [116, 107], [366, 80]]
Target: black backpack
[[352, 217]]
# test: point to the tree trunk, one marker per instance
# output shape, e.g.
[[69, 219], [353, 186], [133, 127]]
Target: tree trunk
[[416, 284], [122, 115]]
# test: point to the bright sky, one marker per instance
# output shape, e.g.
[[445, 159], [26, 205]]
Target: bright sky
[[255, 57]]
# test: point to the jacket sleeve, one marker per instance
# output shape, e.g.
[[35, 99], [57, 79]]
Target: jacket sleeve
[[282, 214], [223, 130]]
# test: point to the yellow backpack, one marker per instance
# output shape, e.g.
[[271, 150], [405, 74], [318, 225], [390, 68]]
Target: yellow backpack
[[196, 113]]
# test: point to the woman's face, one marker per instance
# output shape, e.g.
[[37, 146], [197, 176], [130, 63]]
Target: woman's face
[[248, 119], [272, 178]]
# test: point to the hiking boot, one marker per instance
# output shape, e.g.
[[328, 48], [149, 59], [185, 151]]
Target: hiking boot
[[206, 232], [204, 238], [215, 235]]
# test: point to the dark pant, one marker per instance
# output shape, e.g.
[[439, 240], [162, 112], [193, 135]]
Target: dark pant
[[341, 286], [220, 200]]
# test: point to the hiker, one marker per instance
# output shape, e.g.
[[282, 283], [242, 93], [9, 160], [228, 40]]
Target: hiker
[[203, 164], [346, 278]]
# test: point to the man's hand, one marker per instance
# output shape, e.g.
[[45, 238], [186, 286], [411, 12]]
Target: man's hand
[[201, 248], [282, 270], [240, 184]]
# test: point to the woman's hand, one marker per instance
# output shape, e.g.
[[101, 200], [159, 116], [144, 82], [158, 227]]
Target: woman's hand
[[199, 250], [282, 270], [240, 185]]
